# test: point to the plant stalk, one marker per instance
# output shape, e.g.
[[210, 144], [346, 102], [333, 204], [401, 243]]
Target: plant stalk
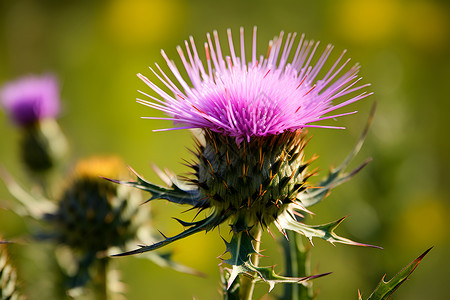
[[298, 264], [101, 279], [247, 284]]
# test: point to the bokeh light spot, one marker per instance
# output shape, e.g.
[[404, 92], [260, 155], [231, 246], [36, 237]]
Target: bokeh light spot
[[426, 25], [366, 21], [423, 224], [142, 21]]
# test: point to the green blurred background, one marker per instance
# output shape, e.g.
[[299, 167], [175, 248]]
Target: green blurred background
[[400, 201]]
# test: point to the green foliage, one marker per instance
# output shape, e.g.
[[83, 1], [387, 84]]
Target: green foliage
[[338, 175], [241, 248], [173, 194], [386, 288], [194, 227], [31, 206], [229, 292], [324, 231], [298, 264], [266, 275]]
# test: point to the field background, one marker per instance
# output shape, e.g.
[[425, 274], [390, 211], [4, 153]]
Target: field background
[[400, 201]]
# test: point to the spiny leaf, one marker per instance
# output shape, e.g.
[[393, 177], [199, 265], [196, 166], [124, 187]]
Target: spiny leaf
[[385, 289], [338, 175], [266, 275], [203, 225], [325, 231], [237, 270], [31, 206], [240, 247], [173, 194], [229, 292]]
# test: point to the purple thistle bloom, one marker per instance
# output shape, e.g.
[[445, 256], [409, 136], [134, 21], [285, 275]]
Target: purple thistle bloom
[[250, 169], [30, 99], [263, 96]]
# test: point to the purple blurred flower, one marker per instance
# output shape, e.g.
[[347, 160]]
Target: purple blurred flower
[[260, 97], [31, 98]]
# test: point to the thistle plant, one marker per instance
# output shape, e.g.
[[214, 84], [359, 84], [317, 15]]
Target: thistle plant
[[90, 216], [33, 103], [250, 169]]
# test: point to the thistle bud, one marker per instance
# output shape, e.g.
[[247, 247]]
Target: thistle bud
[[94, 214]]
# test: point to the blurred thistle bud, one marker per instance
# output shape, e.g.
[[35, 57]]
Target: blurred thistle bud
[[92, 217], [8, 276], [94, 214], [31, 99], [33, 103]]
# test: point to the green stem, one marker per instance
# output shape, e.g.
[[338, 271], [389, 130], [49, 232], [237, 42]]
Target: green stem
[[298, 264], [101, 279], [247, 284]]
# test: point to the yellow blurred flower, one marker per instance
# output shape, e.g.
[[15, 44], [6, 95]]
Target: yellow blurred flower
[[366, 21], [106, 166], [426, 25], [423, 224], [142, 21]]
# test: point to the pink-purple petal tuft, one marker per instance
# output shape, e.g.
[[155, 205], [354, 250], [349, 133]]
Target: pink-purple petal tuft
[[245, 99]]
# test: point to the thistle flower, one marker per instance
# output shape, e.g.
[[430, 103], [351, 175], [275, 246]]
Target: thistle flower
[[264, 96], [33, 103], [31, 99], [251, 170]]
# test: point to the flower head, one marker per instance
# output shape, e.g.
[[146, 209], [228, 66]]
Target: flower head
[[30, 99], [283, 91]]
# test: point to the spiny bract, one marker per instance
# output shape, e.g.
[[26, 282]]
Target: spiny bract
[[252, 182]]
